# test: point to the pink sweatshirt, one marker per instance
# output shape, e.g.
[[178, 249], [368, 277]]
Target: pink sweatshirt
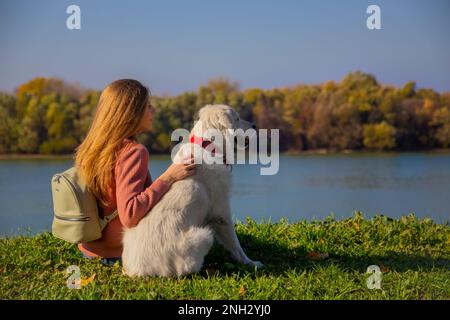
[[133, 193]]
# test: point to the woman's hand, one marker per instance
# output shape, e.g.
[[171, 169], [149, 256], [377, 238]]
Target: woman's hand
[[178, 171]]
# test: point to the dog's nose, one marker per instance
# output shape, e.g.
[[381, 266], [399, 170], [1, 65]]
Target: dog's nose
[[254, 126]]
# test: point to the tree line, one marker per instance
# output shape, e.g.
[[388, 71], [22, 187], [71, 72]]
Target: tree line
[[50, 116]]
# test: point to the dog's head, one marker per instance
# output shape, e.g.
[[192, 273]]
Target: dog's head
[[222, 118]]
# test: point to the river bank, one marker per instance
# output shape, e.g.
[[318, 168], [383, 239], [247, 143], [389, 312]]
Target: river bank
[[325, 259]]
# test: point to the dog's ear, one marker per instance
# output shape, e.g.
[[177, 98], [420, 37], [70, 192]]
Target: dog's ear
[[224, 120]]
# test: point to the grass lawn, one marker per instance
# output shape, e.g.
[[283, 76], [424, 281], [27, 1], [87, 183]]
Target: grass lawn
[[304, 260]]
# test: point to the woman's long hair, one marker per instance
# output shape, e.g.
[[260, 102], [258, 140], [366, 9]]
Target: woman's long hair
[[118, 114]]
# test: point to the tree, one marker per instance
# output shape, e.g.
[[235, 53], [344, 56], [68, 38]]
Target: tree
[[441, 119], [380, 136], [216, 91], [8, 124]]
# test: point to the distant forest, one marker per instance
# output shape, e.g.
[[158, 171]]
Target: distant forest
[[50, 116]]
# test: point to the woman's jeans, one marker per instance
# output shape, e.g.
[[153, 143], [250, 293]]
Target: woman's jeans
[[105, 261]]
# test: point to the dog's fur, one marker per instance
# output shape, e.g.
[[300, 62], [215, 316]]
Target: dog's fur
[[174, 237]]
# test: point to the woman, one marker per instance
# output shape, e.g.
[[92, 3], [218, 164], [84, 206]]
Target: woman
[[115, 166]]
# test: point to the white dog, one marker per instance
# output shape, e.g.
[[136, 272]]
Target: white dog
[[174, 237]]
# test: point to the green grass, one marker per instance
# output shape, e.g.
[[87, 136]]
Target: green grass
[[413, 254]]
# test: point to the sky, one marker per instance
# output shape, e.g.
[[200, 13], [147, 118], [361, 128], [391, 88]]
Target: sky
[[174, 46]]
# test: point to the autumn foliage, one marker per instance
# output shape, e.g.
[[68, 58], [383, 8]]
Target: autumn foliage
[[49, 116]]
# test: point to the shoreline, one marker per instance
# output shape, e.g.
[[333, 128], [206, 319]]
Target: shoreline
[[364, 151], [19, 156]]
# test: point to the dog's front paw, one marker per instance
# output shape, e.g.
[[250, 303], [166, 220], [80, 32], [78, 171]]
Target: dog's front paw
[[257, 264]]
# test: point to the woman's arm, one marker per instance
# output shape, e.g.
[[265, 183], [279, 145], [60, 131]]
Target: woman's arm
[[133, 199]]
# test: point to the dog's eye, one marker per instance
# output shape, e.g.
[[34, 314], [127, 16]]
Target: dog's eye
[[237, 119]]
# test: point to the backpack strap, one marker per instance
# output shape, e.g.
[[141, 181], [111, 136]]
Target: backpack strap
[[104, 222]]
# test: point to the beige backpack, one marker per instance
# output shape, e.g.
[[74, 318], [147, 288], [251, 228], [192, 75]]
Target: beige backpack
[[76, 218]]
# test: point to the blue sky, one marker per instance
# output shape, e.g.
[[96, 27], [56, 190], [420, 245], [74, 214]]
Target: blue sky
[[174, 46]]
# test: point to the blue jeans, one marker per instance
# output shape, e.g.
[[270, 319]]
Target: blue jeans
[[106, 261]]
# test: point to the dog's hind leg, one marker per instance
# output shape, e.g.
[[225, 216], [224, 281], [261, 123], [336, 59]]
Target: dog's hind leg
[[192, 248]]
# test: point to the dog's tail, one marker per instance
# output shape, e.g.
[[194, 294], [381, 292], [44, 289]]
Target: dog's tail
[[192, 248]]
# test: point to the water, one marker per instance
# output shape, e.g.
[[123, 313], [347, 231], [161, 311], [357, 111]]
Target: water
[[306, 187]]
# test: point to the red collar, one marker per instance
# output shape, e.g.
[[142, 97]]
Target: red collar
[[204, 143]]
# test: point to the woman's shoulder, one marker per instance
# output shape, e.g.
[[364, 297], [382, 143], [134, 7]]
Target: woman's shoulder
[[132, 150]]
